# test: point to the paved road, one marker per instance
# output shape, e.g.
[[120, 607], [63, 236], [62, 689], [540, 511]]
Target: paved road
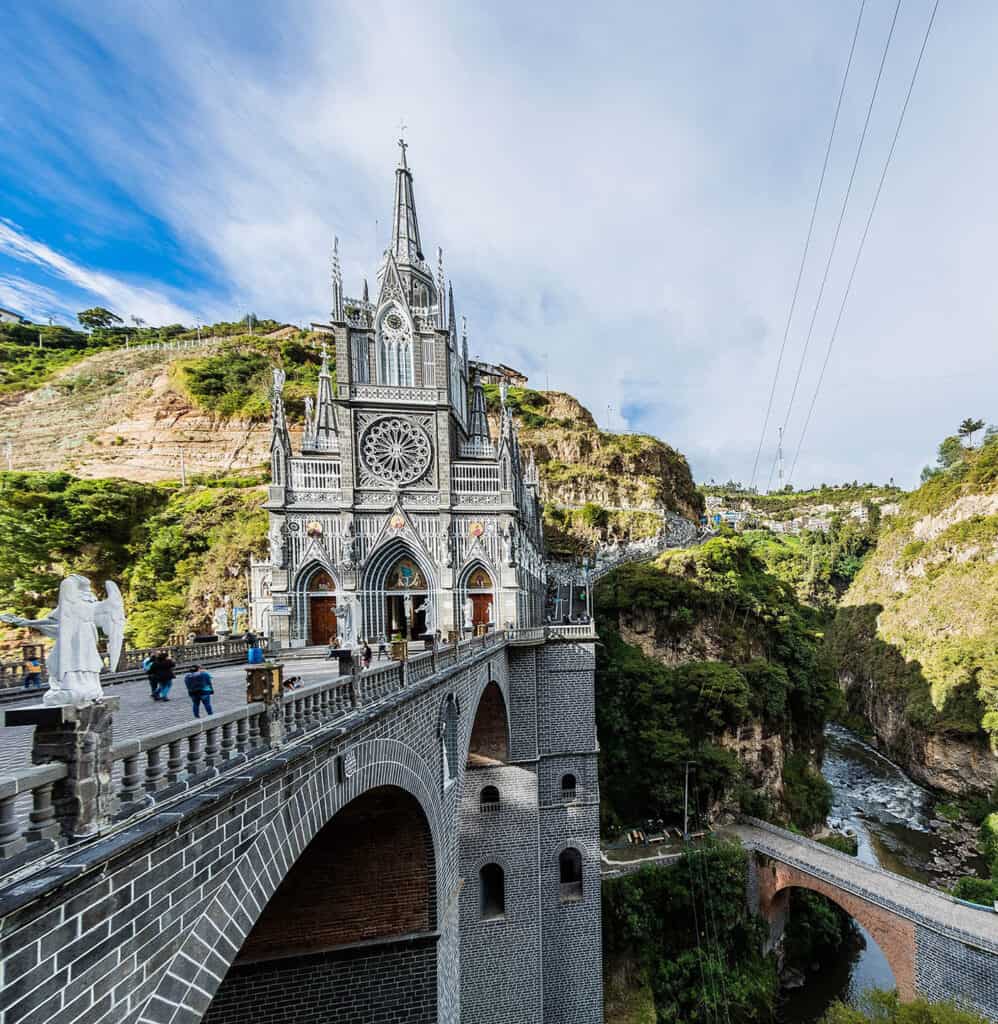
[[140, 714], [882, 887]]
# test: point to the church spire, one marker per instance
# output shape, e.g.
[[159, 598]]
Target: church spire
[[441, 316], [337, 275], [321, 435], [451, 318], [406, 247], [478, 428]]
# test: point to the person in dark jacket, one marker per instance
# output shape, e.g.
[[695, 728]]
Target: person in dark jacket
[[162, 675], [199, 688], [147, 664]]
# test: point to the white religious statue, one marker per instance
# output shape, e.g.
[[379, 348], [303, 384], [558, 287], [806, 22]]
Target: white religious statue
[[469, 612], [220, 619], [74, 663], [407, 605], [276, 538], [346, 620], [428, 624], [488, 612]]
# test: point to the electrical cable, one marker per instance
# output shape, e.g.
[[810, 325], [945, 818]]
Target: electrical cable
[[807, 245], [862, 241], [838, 227]]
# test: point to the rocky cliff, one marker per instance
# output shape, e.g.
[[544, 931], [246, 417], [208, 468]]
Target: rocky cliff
[[708, 657], [915, 641]]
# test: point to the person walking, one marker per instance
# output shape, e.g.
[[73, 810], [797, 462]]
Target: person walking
[[365, 655], [163, 674], [32, 674], [147, 663], [199, 689]]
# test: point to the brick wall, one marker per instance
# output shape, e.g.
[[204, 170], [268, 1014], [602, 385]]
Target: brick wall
[[490, 732], [368, 874], [501, 957], [384, 982], [567, 698]]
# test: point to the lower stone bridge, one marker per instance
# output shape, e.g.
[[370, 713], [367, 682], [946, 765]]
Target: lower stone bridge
[[937, 947], [418, 842]]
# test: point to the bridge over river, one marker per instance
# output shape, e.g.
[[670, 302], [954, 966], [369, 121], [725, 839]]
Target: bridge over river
[[937, 946]]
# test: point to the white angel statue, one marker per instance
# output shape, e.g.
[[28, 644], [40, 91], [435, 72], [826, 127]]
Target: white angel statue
[[74, 663], [346, 623]]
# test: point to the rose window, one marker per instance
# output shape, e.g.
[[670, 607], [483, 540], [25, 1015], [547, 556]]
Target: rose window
[[395, 450]]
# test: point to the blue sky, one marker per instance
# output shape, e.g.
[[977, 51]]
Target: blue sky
[[621, 191]]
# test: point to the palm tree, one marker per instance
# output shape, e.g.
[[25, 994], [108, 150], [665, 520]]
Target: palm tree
[[968, 428]]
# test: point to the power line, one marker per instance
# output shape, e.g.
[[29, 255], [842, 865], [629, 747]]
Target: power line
[[807, 245], [866, 231], [838, 226]]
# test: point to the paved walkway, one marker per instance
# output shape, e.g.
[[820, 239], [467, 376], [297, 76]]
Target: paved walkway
[[140, 714], [874, 884]]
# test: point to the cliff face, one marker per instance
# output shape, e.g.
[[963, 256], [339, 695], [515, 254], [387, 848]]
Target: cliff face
[[915, 641], [708, 657], [580, 464], [119, 414]]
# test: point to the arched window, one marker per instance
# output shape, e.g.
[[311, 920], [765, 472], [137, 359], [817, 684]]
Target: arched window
[[570, 871], [493, 891], [394, 349], [488, 800], [568, 787]]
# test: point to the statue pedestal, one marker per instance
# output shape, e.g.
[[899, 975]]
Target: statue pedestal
[[80, 737]]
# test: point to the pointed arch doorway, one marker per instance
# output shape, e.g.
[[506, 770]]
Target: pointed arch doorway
[[406, 600], [321, 599]]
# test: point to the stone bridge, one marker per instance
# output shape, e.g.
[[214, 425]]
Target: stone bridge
[[937, 947], [418, 842]]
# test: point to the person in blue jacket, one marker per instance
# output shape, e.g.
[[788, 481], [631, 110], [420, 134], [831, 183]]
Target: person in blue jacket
[[199, 687]]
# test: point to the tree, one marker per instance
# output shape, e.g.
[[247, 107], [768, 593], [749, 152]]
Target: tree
[[968, 428], [138, 321], [950, 452], [885, 1008], [98, 318]]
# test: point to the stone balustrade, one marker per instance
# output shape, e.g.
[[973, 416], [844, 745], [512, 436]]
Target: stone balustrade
[[121, 781]]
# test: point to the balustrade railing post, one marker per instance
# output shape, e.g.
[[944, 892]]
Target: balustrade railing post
[[174, 762], [131, 780], [212, 746], [11, 840], [80, 737], [42, 817], [155, 770]]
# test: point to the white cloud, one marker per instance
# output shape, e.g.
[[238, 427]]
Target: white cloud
[[123, 298], [624, 190]]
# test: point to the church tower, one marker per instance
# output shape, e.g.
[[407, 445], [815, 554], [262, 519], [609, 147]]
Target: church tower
[[400, 516]]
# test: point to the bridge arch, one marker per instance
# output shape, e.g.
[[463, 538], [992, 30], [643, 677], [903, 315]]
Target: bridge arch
[[488, 739], [895, 935], [216, 937]]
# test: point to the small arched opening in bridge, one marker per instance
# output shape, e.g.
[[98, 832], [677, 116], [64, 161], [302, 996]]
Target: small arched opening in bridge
[[892, 936], [354, 918], [489, 743]]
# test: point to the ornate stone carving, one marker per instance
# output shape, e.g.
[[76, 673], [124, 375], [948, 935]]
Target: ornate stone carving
[[395, 450]]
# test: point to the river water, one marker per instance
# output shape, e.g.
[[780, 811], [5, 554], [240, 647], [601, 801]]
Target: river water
[[891, 817]]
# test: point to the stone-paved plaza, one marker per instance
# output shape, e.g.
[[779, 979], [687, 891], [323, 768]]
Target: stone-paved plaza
[[139, 714]]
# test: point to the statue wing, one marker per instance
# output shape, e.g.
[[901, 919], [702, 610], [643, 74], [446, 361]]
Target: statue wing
[[111, 618]]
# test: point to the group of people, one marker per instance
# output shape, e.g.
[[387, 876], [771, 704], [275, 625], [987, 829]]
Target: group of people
[[159, 669]]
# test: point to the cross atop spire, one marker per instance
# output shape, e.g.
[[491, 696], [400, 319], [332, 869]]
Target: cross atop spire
[[406, 247]]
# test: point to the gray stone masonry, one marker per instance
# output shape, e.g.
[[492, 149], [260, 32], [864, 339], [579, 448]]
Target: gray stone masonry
[[80, 738], [142, 925]]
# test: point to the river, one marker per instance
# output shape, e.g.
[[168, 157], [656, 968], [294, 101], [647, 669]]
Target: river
[[891, 817]]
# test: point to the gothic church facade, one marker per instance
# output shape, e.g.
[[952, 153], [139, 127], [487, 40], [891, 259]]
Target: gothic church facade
[[401, 515]]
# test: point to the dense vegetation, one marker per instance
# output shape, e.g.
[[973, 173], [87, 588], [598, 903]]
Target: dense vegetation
[[885, 1008], [175, 553], [681, 938], [732, 645], [921, 618], [235, 380]]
